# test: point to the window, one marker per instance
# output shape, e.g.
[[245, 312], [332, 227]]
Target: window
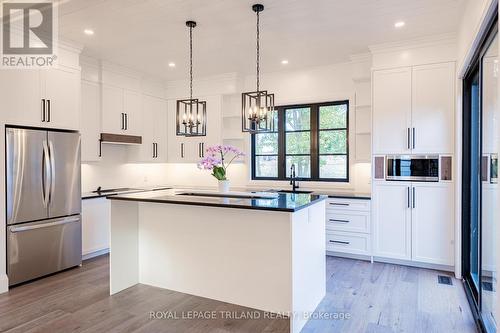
[[314, 137]]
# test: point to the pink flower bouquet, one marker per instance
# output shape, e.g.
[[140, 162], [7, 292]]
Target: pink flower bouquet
[[217, 158]]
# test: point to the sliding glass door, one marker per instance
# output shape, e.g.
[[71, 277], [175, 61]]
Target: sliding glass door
[[480, 181]]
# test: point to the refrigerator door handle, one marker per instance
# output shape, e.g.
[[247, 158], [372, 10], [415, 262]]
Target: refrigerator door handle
[[45, 225], [52, 170], [46, 174]]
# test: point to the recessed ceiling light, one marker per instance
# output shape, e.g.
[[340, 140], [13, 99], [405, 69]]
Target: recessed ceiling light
[[171, 64], [399, 24], [284, 62], [88, 32]]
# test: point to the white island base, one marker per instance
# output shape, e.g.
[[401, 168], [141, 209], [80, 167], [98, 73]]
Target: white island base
[[267, 260]]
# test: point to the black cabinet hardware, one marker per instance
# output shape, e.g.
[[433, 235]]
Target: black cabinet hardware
[[338, 204], [413, 137], [408, 197], [408, 139], [43, 110], [48, 111], [413, 197], [339, 221], [339, 242]]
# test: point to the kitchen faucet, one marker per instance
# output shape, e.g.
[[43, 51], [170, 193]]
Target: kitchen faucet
[[293, 178]]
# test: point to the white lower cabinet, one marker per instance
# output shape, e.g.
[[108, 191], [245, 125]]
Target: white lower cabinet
[[392, 220], [414, 221], [432, 219], [348, 227], [96, 217]]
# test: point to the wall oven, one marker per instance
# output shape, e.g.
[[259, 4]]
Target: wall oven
[[423, 168]]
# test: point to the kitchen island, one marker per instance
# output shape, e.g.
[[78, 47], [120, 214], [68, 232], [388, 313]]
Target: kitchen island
[[263, 251]]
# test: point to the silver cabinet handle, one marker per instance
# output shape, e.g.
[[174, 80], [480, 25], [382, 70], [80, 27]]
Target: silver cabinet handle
[[339, 242], [413, 198], [338, 204], [44, 225], [413, 137], [52, 170], [338, 221], [182, 150], [46, 174], [43, 110]]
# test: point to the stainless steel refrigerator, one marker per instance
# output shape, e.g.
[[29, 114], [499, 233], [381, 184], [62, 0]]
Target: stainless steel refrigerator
[[43, 190]]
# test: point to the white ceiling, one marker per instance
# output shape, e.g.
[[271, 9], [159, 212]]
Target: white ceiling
[[146, 35]]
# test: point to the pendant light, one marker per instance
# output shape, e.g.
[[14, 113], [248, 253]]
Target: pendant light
[[191, 113], [257, 110]]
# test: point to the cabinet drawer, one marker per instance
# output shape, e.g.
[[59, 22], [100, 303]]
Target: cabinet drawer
[[348, 204], [348, 242], [348, 221]]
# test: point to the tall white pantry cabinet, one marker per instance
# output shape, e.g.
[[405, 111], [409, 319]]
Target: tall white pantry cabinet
[[413, 114]]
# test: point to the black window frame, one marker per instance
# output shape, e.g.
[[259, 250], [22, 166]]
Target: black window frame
[[283, 175]]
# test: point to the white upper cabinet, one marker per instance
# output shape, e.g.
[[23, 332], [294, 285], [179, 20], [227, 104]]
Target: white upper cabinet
[[433, 223], [61, 89], [413, 110], [154, 128], [433, 104], [121, 111], [45, 98], [21, 97], [132, 105], [391, 111], [113, 119], [91, 124], [392, 220]]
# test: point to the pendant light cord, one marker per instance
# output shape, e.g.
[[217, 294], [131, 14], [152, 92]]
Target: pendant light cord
[[258, 51], [191, 62]]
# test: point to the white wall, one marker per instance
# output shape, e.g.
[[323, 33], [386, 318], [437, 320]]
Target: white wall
[[113, 171]]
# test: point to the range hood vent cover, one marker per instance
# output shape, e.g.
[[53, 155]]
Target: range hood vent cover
[[118, 139], [121, 139]]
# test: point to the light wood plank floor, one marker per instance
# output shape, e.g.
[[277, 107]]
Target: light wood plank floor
[[377, 297]]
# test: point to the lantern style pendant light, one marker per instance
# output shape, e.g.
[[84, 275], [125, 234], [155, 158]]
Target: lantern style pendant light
[[257, 110], [191, 113]]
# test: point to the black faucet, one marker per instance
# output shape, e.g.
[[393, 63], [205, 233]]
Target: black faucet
[[293, 178]]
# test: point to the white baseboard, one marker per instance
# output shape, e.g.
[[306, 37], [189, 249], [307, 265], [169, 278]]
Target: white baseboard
[[392, 261], [4, 283], [95, 254], [349, 255]]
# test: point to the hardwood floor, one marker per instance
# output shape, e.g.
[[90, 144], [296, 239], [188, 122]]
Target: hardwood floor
[[375, 297]]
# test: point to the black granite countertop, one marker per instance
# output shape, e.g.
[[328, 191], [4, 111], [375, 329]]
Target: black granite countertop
[[282, 202], [111, 192]]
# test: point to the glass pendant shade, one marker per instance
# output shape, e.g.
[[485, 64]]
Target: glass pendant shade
[[257, 107], [191, 117], [258, 113]]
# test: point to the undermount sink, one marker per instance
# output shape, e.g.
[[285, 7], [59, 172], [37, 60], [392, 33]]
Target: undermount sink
[[296, 191]]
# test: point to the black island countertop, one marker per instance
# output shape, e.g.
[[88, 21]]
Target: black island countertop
[[282, 202]]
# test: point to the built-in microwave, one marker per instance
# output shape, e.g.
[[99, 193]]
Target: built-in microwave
[[422, 168]]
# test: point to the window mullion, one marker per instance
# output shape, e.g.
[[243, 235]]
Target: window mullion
[[314, 141], [281, 144]]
